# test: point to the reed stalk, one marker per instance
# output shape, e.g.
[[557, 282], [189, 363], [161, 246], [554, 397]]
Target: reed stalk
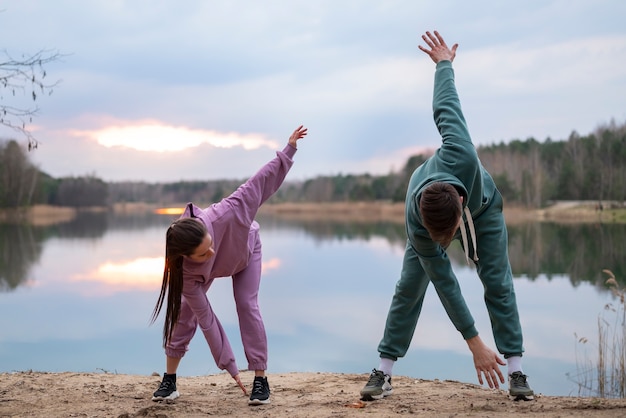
[[607, 378]]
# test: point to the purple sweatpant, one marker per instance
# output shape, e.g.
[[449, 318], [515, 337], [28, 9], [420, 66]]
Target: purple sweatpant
[[245, 290]]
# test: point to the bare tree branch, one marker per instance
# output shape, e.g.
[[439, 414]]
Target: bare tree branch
[[25, 76]]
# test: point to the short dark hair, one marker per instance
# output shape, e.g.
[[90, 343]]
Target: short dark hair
[[441, 209]]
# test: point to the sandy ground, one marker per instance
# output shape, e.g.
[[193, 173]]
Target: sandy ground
[[294, 395]]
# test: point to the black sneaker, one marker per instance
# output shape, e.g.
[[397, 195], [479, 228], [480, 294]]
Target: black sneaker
[[260, 391], [377, 387], [167, 389], [519, 389]]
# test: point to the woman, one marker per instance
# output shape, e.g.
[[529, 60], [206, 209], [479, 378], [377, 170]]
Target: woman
[[219, 241]]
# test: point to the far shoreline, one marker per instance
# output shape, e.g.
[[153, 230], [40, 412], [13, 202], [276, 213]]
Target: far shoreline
[[364, 211], [560, 212]]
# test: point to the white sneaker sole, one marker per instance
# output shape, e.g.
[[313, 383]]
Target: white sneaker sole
[[521, 397], [168, 398], [368, 397], [258, 402]]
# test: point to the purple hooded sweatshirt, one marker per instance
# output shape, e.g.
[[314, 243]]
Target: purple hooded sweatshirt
[[231, 224]]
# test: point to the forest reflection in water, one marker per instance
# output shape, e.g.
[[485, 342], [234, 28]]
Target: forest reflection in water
[[579, 251]]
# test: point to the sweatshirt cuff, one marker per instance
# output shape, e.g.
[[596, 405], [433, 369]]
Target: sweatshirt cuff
[[470, 332], [289, 150], [444, 64], [232, 369]]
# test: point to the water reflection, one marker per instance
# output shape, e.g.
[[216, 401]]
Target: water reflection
[[580, 252], [21, 244], [323, 281], [20, 248], [328, 229]]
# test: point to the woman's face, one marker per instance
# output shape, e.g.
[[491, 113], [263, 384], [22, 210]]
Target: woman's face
[[204, 251]]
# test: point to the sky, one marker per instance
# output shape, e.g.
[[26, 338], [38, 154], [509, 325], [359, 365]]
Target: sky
[[164, 90]]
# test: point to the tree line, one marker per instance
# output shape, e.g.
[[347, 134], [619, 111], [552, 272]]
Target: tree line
[[528, 173], [591, 167]]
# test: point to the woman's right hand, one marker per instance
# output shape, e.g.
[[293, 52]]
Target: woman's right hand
[[299, 133], [238, 380]]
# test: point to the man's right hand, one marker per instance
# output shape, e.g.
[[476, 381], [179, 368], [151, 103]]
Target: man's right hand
[[439, 51], [486, 362]]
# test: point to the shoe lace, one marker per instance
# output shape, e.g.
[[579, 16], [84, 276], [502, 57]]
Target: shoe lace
[[257, 386], [377, 378], [165, 384], [518, 379]]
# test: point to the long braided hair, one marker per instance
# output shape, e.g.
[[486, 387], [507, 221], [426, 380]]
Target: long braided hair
[[181, 239]]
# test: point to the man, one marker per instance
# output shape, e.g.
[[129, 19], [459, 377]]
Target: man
[[449, 197]]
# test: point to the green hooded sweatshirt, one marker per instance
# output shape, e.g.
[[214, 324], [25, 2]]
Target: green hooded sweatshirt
[[455, 162]]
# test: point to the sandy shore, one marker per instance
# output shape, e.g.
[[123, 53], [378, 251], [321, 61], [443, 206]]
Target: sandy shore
[[294, 395]]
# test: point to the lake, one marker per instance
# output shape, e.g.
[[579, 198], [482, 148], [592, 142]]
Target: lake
[[77, 296]]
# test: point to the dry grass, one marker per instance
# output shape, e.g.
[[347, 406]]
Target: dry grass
[[369, 211], [38, 215], [579, 212], [337, 211], [606, 378], [136, 207], [377, 211]]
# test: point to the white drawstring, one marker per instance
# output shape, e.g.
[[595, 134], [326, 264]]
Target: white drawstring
[[470, 223]]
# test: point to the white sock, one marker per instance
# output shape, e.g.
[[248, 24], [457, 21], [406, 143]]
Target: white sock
[[386, 365], [514, 364]]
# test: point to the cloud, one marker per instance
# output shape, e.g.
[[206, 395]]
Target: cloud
[[271, 264], [243, 74], [158, 137], [144, 273]]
